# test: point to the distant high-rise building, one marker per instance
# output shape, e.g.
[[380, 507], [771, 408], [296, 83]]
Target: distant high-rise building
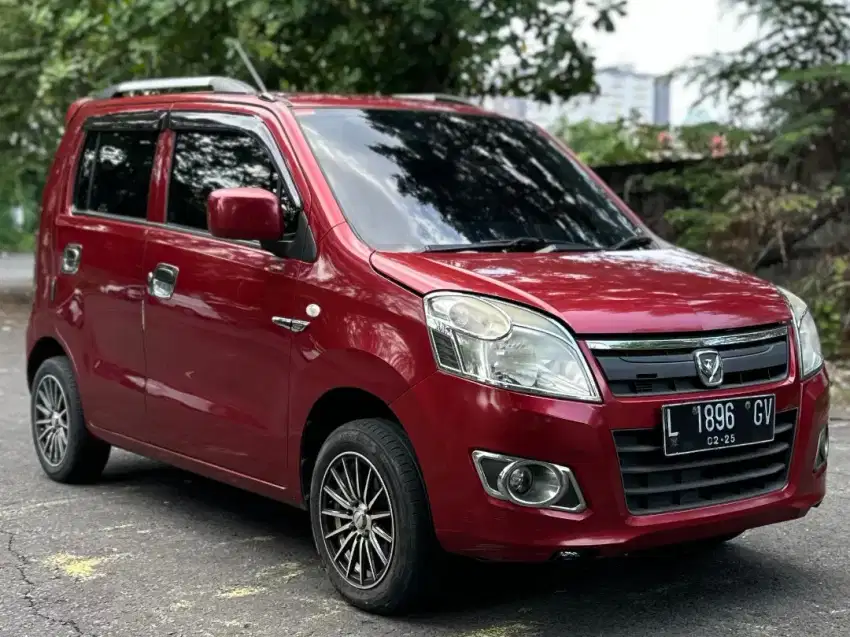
[[622, 91]]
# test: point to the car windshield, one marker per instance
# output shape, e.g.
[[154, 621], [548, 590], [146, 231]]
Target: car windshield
[[410, 180]]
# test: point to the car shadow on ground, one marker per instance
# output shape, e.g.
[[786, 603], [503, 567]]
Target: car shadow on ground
[[668, 591]]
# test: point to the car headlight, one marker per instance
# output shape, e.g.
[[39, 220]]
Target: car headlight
[[507, 346], [808, 341]]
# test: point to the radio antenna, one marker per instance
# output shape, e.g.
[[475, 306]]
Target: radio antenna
[[236, 44]]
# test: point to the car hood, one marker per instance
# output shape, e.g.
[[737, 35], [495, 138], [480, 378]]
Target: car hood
[[652, 291]]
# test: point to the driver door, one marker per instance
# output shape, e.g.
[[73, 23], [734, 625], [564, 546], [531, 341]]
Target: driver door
[[218, 367]]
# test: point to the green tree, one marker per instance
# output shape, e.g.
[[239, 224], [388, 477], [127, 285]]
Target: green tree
[[785, 213], [54, 51], [607, 143], [780, 206]]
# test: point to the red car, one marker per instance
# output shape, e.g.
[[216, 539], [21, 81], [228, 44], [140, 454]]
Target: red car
[[429, 325]]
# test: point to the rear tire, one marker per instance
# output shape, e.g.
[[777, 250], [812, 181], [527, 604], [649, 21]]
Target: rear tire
[[67, 451], [378, 550]]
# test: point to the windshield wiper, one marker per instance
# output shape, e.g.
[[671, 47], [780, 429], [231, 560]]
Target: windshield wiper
[[533, 244], [635, 241]]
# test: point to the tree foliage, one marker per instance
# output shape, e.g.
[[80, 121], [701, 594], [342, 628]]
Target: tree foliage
[[607, 143], [54, 51], [630, 141], [794, 200], [781, 209]]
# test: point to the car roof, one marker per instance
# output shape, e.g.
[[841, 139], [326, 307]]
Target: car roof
[[295, 101], [336, 100]]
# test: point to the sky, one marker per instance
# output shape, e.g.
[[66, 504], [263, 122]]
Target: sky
[[657, 36]]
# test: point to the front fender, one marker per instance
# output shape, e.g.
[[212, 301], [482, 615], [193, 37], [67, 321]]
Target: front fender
[[370, 336], [354, 369]]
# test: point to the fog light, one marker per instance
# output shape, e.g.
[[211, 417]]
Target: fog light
[[540, 484], [530, 483], [520, 480]]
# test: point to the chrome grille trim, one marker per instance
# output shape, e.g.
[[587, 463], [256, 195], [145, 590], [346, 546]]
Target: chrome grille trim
[[650, 343]]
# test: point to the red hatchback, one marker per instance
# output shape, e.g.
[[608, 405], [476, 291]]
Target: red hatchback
[[427, 324]]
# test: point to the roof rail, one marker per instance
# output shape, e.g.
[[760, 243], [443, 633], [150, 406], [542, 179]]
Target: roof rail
[[175, 84], [435, 97]]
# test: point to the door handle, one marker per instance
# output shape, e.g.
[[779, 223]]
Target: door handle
[[71, 256], [162, 281], [293, 325]]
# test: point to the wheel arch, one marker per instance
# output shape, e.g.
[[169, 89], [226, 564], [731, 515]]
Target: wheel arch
[[332, 410], [46, 347]]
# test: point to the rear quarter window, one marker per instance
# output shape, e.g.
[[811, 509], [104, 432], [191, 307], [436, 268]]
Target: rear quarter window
[[82, 185], [114, 173]]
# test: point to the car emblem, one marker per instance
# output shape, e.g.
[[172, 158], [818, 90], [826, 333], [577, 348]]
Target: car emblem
[[709, 367]]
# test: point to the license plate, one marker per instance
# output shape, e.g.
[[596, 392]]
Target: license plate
[[718, 424]]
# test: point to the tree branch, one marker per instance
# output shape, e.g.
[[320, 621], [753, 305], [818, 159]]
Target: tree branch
[[778, 252]]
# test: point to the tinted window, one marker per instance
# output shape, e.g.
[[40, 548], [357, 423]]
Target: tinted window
[[408, 179], [122, 173], [84, 173], [207, 161]]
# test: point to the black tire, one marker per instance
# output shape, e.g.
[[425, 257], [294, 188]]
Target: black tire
[[85, 456], [409, 575]]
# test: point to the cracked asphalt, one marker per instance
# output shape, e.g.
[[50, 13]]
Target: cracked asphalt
[[152, 550]]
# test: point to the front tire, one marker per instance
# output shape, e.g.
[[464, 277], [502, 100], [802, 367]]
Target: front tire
[[370, 517], [67, 451]]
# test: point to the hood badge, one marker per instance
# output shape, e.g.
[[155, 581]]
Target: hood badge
[[709, 366]]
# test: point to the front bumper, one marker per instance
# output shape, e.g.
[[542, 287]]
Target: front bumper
[[447, 418]]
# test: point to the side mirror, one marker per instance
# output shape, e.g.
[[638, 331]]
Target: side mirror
[[250, 214]]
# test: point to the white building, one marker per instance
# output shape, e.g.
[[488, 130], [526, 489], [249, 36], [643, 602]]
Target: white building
[[622, 91]]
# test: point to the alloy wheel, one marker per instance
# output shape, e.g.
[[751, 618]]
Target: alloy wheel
[[357, 524], [51, 420]]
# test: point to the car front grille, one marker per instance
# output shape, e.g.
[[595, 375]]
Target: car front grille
[[666, 365], [655, 483]]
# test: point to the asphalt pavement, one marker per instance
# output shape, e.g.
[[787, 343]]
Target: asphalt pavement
[[152, 551]]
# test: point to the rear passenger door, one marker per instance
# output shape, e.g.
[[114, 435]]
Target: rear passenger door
[[99, 246], [218, 368]]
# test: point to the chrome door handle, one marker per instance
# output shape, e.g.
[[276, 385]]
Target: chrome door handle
[[293, 325], [71, 256], [162, 281]]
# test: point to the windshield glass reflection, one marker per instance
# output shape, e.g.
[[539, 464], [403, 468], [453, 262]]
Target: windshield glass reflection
[[408, 179]]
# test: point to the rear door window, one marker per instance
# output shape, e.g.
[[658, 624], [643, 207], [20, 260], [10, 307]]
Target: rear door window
[[117, 166]]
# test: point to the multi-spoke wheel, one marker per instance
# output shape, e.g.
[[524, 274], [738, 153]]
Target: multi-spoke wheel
[[370, 518], [357, 519], [65, 448], [51, 420]]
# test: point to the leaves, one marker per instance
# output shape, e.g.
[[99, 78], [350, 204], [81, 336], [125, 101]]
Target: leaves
[[781, 207], [627, 140], [55, 51]]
